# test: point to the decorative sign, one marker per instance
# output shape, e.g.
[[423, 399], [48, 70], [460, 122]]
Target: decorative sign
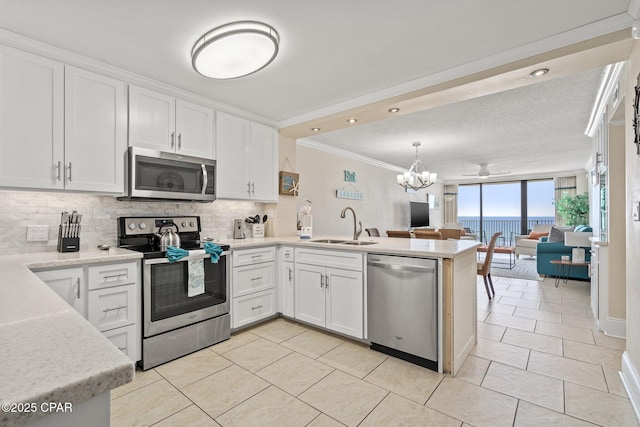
[[349, 194], [349, 176]]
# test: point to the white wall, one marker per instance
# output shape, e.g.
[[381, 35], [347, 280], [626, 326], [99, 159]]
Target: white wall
[[384, 206]]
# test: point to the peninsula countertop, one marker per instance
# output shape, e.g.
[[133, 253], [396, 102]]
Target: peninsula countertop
[[49, 352]]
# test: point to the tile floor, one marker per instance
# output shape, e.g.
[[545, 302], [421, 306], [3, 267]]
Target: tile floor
[[539, 361]]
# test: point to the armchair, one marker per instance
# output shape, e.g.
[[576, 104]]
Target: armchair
[[526, 244]]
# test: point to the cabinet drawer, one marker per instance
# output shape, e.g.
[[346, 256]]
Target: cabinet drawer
[[113, 307], [328, 258], [252, 278], [125, 339], [250, 308], [103, 276], [286, 253], [252, 256]]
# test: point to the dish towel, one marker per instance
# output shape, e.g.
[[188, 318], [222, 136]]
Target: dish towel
[[214, 250], [195, 283], [174, 254]]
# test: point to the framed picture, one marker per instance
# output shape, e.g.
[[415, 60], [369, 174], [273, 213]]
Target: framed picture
[[289, 183]]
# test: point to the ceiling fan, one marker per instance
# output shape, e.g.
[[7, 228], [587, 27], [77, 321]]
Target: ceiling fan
[[484, 172]]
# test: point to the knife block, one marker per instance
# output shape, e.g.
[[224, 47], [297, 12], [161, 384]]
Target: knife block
[[67, 244]]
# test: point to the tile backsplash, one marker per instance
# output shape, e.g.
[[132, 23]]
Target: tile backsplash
[[18, 209]]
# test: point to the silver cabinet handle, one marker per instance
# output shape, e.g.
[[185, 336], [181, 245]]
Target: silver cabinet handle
[[173, 139], [290, 275], [322, 281], [256, 307], [253, 188], [114, 275], [256, 278], [106, 310], [399, 338], [180, 141], [69, 174], [122, 349], [58, 170], [249, 188], [78, 288], [326, 281]]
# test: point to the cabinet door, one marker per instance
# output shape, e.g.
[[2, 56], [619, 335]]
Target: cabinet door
[[263, 155], [31, 120], [95, 132], [345, 302], [309, 294], [286, 291], [69, 284], [194, 129], [232, 136], [152, 118]]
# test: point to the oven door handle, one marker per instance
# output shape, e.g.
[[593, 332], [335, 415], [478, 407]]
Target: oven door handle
[[194, 257]]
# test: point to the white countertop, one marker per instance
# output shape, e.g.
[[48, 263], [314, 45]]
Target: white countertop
[[49, 352]]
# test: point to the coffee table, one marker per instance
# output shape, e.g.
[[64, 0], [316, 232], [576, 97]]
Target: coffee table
[[563, 268]]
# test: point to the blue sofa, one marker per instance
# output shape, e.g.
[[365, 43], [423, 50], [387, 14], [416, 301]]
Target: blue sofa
[[547, 251]]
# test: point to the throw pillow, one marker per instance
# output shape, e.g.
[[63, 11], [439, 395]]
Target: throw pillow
[[557, 234], [537, 235]]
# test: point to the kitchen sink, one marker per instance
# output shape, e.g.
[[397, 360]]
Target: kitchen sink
[[327, 241], [359, 243]]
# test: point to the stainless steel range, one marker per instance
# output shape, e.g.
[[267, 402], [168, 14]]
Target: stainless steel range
[[175, 321]]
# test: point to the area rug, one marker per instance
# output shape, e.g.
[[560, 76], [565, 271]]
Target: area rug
[[525, 268]]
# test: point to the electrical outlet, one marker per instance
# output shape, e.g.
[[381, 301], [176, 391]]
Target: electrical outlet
[[37, 233]]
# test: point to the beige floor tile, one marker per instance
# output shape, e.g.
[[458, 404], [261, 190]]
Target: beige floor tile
[[257, 354], [561, 331], [576, 302], [141, 379], [574, 371], [530, 313], [511, 321], [236, 341], [559, 308], [270, 407], [223, 390], [518, 288], [520, 302], [278, 330], [508, 293], [191, 416], [396, 411], [312, 343], [490, 332], [598, 407], [533, 341], [614, 382], [534, 388], [191, 368], [473, 404], [355, 359], [147, 405], [323, 420], [406, 379], [530, 415], [294, 373], [579, 321], [542, 297], [473, 370], [603, 356], [610, 342], [504, 353], [494, 307], [344, 397]]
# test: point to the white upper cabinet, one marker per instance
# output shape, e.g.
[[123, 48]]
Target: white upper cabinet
[[247, 159], [31, 120], [161, 122], [95, 131]]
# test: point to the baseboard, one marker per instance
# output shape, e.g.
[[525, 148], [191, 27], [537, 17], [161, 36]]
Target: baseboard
[[615, 327], [631, 380]]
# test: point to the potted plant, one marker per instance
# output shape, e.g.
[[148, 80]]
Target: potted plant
[[574, 209]]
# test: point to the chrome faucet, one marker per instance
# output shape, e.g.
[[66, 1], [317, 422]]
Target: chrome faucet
[[356, 232]]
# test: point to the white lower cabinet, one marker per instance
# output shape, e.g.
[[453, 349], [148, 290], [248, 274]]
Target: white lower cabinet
[[126, 339], [69, 283], [330, 297], [253, 289], [286, 291]]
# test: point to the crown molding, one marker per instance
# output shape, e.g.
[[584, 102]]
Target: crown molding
[[608, 86], [576, 35], [306, 142], [26, 44]]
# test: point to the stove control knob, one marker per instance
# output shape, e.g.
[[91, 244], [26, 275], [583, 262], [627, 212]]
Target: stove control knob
[[193, 224], [142, 226], [132, 226], [184, 224]]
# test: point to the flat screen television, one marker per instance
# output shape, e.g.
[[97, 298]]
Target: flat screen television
[[419, 214]]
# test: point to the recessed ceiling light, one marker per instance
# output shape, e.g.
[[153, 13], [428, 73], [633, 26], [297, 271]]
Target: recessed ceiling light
[[315, 129], [393, 110], [235, 50], [352, 120], [539, 72]]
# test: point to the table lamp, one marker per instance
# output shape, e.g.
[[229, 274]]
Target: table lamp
[[579, 240]]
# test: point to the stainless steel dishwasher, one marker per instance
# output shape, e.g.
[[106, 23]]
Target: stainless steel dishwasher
[[402, 307]]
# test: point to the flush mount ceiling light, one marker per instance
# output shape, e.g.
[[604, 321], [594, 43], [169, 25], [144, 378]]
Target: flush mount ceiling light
[[235, 50], [417, 176], [315, 129], [352, 121], [393, 110], [539, 72]]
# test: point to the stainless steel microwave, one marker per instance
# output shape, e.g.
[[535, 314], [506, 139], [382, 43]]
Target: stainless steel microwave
[[156, 175]]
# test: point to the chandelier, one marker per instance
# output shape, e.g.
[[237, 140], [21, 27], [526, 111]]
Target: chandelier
[[417, 176]]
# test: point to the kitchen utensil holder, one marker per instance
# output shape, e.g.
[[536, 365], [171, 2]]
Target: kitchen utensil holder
[[67, 244], [257, 230]]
